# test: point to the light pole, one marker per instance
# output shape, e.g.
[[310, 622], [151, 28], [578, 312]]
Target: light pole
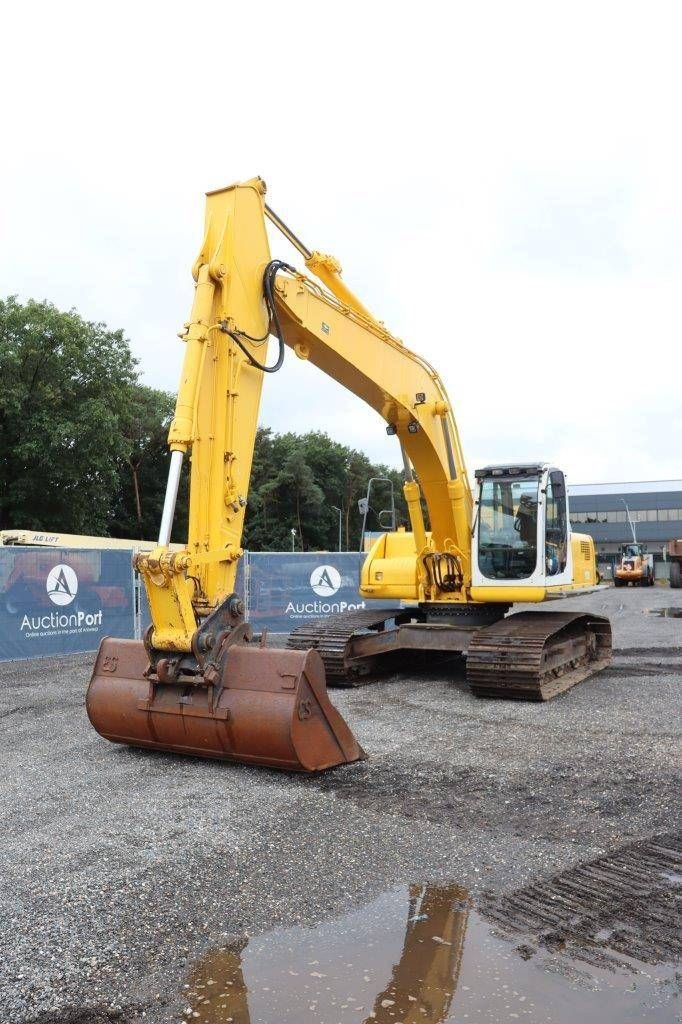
[[632, 525], [293, 538], [340, 511]]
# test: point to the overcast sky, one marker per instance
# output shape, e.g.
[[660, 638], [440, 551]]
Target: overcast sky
[[502, 184]]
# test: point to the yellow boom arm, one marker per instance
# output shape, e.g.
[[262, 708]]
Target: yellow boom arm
[[217, 411]]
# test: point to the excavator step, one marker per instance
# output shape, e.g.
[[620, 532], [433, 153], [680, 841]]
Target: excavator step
[[537, 655]]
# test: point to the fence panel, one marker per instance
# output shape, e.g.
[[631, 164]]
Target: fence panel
[[288, 589], [63, 601]]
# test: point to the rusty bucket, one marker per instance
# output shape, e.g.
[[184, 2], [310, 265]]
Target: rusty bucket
[[270, 707]]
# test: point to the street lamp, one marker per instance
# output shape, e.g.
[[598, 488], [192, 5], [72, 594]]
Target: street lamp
[[632, 525], [293, 538], [340, 511]]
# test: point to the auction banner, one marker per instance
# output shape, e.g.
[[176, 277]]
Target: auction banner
[[63, 601], [286, 590]]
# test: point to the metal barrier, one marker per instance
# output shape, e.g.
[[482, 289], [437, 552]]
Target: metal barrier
[[64, 600]]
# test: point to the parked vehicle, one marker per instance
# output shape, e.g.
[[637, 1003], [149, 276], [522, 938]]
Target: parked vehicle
[[674, 553], [635, 566]]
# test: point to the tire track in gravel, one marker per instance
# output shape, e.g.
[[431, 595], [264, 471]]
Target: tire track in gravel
[[603, 912]]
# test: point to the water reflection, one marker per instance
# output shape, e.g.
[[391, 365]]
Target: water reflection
[[218, 993], [403, 959], [420, 988], [425, 978]]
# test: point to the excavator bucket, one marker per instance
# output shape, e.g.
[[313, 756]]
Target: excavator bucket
[[268, 707]]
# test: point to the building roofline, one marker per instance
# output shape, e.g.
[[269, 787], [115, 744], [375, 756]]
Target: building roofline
[[622, 487], [625, 483]]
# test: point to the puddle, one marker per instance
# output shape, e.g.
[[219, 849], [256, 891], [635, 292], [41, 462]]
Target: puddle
[[665, 613], [416, 955]]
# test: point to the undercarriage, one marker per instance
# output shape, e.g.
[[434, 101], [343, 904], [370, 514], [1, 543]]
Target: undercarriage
[[523, 656]]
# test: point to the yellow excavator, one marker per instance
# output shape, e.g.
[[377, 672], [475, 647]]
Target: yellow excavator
[[199, 683]]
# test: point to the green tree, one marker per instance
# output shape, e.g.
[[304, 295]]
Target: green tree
[[83, 446], [66, 388], [144, 469], [296, 481]]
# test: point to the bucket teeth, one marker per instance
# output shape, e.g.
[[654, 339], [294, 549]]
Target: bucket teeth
[[268, 707]]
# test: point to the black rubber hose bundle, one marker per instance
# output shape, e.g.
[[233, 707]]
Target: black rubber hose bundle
[[271, 271]]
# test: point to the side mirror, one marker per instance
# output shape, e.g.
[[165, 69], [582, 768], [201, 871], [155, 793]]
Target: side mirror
[[383, 522]]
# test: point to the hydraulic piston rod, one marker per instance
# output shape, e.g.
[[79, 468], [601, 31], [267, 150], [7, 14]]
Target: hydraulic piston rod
[[171, 498]]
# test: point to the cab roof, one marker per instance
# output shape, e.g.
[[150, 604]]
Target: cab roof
[[512, 469]]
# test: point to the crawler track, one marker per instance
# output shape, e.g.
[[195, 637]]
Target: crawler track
[[330, 638], [537, 655], [527, 656]]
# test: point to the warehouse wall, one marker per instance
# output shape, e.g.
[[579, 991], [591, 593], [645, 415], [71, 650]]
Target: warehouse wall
[[657, 515]]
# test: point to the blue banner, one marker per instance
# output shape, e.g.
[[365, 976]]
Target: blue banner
[[63, 601], [286, 590]]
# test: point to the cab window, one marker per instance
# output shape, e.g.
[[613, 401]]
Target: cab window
[[507, 528]]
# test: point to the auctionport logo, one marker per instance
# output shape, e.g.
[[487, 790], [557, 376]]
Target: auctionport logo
[[61, 585], [325, 580]]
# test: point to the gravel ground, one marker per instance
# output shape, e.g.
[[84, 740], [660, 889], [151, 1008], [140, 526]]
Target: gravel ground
[[121, 868]]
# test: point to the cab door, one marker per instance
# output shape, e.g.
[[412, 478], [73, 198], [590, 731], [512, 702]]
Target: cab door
[[556, 555]]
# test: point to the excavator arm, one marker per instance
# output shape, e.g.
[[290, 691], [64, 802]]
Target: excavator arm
[[359, 353], [240, 296]]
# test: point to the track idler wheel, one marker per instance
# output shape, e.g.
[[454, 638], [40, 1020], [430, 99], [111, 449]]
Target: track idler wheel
[[265, 707]]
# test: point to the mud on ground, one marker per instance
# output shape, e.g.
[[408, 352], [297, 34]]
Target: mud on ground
[[122, 868]]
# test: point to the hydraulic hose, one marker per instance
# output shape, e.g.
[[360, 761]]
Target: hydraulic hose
[[271, 271]]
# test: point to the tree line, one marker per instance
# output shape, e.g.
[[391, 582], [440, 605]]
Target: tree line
[[83, 447]]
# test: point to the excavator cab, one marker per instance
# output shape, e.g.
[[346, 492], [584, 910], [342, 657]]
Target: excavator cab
[[521, 535]]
